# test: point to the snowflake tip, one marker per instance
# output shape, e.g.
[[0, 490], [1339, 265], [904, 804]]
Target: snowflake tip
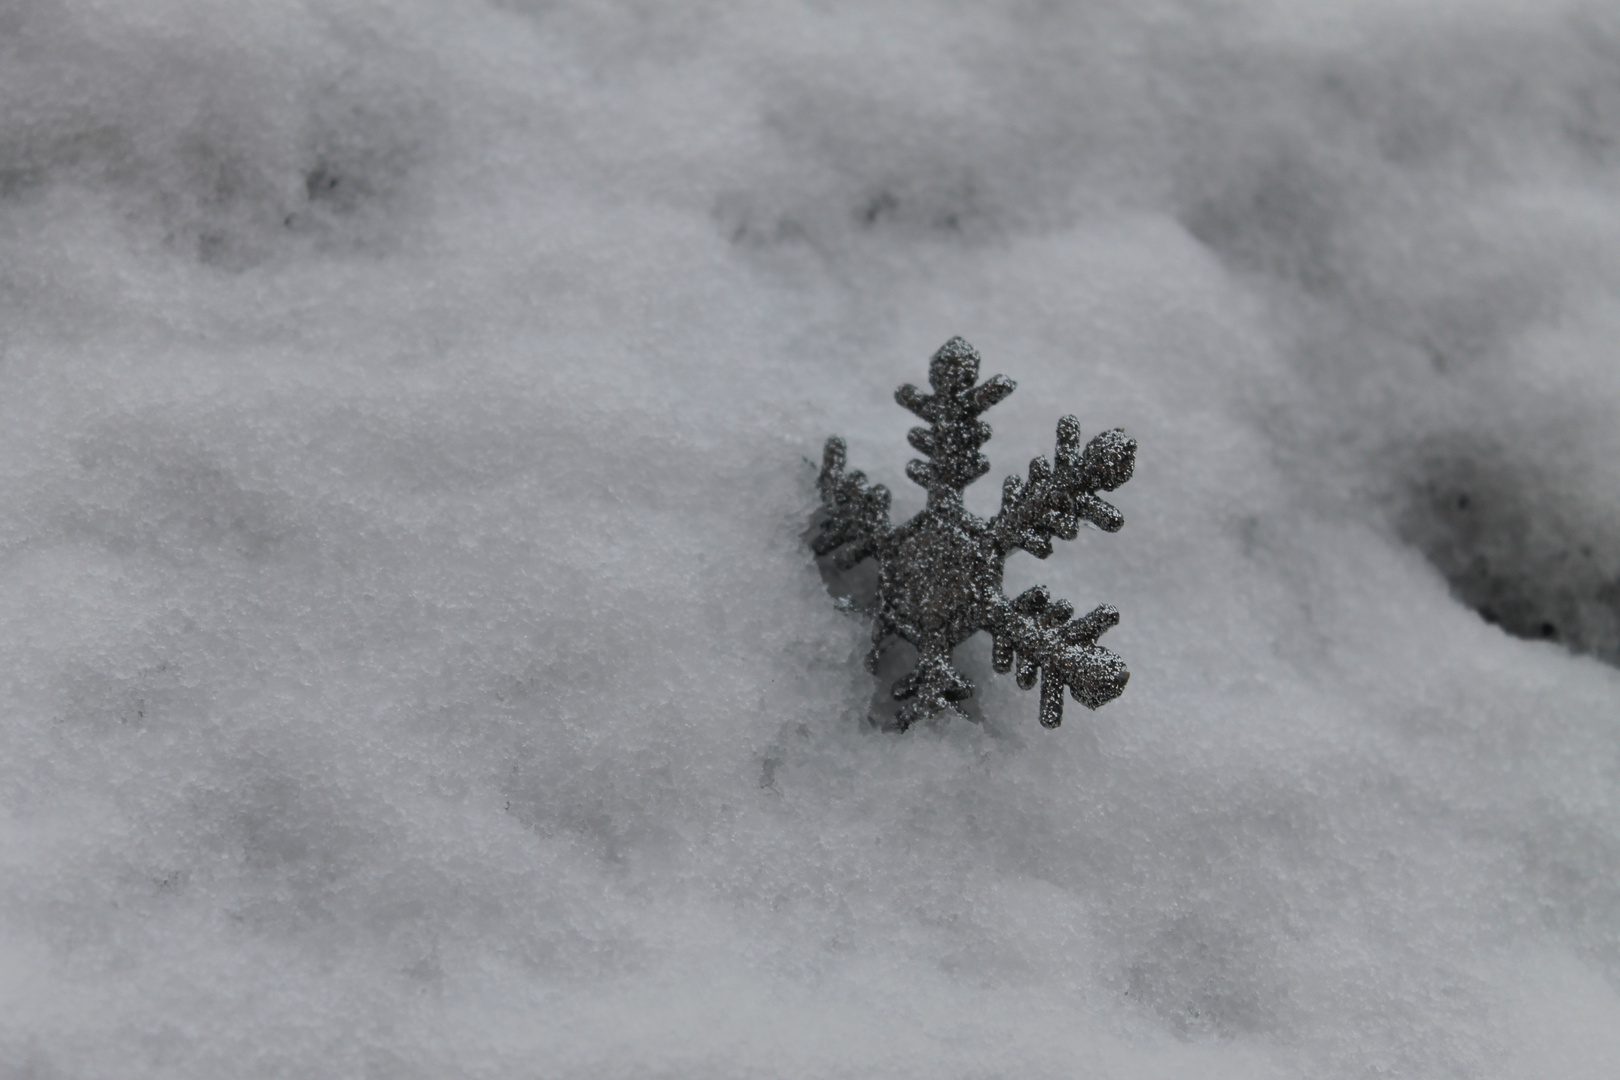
[[1067, 454], [832, 459], [924, 405], [1093, 625], [1110, 458], [1104, 515], [992, 391], [1095, 675], [955, 367]]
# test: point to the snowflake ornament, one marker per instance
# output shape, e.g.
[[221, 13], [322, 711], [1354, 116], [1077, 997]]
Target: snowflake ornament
[[939, 574]]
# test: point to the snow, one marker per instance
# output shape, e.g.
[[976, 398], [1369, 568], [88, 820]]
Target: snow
[[414, 665]]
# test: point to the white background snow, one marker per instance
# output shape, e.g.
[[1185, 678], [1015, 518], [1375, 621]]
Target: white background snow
[[413, 665]]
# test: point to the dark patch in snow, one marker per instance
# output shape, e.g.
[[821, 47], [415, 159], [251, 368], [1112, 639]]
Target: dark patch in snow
[[1516, 552]]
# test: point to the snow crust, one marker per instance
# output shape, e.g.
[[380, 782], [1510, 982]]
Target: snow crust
[[414, 667]]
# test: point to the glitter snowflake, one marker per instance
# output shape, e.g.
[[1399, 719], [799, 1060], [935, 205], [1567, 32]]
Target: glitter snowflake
[[939, 574]]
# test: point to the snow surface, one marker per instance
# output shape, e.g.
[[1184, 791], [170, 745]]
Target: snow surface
[[413, 662]]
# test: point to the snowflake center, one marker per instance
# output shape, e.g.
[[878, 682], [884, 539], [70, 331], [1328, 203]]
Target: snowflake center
[[943, 577]]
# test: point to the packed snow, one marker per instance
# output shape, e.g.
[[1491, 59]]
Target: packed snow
[[414, 665]]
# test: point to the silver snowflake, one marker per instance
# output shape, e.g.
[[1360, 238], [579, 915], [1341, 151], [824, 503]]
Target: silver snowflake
[[939, 574]]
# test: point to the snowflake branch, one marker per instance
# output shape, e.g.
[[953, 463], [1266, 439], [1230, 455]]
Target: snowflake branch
[[1034, 632], [1055, 500], [857, 515], [934, 686], [955, 433]]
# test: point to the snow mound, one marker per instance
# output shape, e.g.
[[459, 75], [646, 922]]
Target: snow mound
[[414, 661]]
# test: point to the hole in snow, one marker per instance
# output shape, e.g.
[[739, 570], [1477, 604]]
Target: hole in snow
[[1519, 551]]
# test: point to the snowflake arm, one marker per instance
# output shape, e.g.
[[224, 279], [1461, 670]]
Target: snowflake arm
[[955, 432], [1034, 632], [932, 687], [1056, 499], [857, 517]]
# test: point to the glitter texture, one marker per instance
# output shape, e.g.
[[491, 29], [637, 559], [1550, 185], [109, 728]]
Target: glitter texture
[[939, 574]]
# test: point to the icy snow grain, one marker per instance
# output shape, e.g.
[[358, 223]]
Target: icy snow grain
[[415, 666]]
